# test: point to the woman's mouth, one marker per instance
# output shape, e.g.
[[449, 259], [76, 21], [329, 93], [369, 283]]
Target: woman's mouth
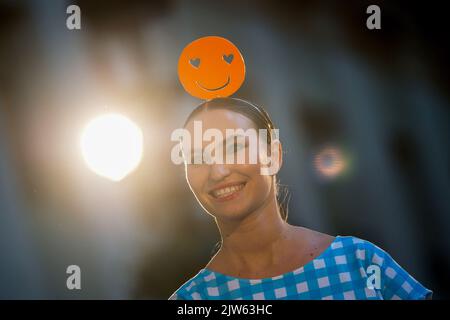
[[227, 193]]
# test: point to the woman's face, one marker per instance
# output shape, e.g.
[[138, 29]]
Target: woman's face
[[227, 191]]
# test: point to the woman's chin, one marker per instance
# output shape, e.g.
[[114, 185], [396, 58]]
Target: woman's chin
[[230, 215]]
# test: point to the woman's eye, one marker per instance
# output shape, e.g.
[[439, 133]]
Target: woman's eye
[[239, 146], [235, 147]]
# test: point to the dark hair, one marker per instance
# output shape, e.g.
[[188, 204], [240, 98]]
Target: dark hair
[[262, 121]]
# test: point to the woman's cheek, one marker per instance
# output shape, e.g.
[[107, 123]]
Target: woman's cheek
[[196, 179], [250, 170]]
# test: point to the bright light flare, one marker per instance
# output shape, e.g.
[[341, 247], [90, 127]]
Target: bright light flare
[[112, 146], [330, 162]]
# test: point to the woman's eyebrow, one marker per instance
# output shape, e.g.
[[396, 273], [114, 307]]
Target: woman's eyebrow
[[233, 137], [224, 141]]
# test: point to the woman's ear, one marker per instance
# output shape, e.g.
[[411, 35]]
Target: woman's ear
[[280, 154], [276, 155]]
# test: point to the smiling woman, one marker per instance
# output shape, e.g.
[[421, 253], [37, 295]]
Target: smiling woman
[[261, 255]]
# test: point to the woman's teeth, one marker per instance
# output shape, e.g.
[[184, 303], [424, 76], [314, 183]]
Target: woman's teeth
[[225, 192]]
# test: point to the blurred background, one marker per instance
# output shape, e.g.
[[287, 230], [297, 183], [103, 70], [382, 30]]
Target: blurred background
[[363, 116]]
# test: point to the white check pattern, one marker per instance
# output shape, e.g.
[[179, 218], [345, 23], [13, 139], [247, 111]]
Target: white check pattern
[[341, 272]]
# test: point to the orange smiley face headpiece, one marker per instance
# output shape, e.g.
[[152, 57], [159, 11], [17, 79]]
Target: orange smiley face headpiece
[[211, 67]]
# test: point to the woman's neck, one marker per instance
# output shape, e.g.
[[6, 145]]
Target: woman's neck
[[257, 241]]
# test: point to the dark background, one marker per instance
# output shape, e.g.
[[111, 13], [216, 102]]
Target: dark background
[[380, 97]]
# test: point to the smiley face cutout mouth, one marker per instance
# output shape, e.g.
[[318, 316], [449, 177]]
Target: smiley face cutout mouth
[[214, 89]]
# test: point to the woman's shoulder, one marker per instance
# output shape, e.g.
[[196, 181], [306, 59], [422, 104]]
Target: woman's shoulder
[[395, 282], [361, 249], [189, 290], [345, 249], [360, 246]]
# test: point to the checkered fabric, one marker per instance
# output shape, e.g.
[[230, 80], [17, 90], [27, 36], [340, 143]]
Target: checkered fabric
[[350, 268]]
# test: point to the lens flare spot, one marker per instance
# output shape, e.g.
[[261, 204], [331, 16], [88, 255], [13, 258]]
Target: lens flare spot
[[330, 162], [112, 146]]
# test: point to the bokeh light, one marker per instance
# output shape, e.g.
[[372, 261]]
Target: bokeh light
[[112, 146], [330, 162]]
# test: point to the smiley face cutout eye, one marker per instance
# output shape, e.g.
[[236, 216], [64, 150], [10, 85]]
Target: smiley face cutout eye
[[228, 58], [195, 62]]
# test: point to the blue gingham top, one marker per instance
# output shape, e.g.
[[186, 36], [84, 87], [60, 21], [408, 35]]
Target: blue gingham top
[[350, 268]]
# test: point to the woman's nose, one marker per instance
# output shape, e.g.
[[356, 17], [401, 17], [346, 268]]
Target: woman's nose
[[219, 171]]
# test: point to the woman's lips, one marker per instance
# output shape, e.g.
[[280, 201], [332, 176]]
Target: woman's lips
[[227, 192]]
